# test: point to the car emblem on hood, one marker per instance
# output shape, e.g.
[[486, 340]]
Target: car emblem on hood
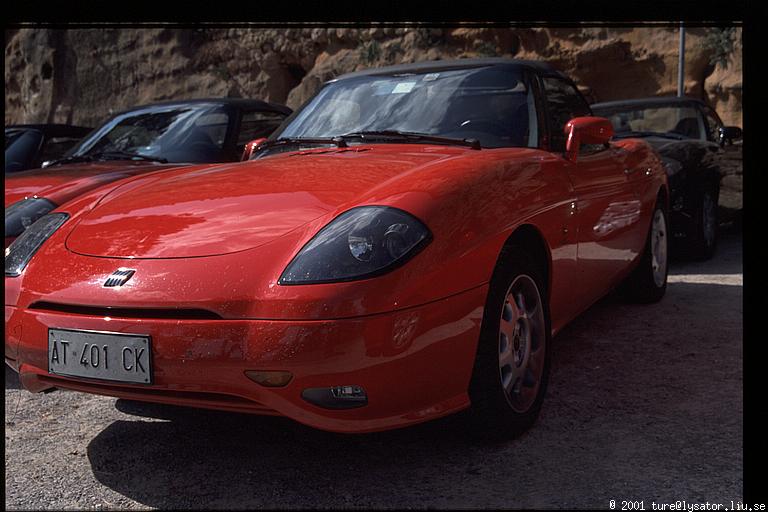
[[119, 277]]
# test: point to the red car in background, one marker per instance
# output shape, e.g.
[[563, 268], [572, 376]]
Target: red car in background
[[140, 140], [402, 248]]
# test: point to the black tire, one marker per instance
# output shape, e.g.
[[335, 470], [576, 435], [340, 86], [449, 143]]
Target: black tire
[[492, 414], [643, 285], [703, 236]]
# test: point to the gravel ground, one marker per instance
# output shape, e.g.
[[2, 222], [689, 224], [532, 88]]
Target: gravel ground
[[645, 403]]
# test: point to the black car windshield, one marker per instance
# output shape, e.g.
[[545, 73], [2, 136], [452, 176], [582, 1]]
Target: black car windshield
[[20, 148], [490, 104], [14, 135], [176, 133], [678, 120]]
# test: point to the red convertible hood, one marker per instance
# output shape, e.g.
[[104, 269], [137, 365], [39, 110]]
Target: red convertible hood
[[59, 184], [234, 207]]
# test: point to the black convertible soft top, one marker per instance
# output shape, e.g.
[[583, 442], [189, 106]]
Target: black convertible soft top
[[649, 102], [542, 68], [241, 103], [52, 130]]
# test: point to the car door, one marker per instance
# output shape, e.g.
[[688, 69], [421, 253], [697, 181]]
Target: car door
[[607, 207]]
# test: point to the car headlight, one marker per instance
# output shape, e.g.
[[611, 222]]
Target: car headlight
[[18, 254], [22, 214], [363, 242]]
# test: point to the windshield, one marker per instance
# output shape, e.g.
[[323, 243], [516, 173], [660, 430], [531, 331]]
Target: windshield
[[674, 119], [176, 133], [11, 136], [490, 104]]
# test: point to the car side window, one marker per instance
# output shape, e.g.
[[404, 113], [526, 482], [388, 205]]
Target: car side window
[[564, 102], [214, 126], [257, 124], [55, 147]]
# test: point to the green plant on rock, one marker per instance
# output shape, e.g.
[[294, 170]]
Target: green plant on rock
[[370, 51], [393, 51], [720, 42], [221, 72], [486, 49]]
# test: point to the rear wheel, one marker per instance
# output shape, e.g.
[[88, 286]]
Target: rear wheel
[[704, 233], [648, 282], [512, 363]]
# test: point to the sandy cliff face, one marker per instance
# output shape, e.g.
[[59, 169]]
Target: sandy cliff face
[[80, 76]]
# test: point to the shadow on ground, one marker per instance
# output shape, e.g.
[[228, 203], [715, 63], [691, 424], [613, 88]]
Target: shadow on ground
[[629, 387], [11, 378], [201, 459]]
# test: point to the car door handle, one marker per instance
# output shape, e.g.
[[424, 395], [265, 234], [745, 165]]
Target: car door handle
[[629, 171]]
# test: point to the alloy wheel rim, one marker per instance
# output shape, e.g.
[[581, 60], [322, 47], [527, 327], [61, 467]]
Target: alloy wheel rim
[[659, 248], [521, 343]]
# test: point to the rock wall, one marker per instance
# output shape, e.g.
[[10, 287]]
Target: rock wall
[[82, 75]]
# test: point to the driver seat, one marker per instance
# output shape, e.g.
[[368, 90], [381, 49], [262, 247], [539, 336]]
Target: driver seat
[[688, 126]]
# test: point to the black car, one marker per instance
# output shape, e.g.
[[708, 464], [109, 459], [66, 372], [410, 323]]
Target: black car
[[185, 131], [689, 136], [140, 140], [28, 146]]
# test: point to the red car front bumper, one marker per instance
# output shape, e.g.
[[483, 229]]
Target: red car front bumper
[[414, 364]]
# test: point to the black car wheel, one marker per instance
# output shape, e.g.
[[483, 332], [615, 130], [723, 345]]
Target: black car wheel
[[511, 369], [703, 236]]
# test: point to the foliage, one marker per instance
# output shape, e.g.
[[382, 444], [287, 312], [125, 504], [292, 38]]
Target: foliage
[[221, 72], [720, 42], [393, 51], [486, 49], [370, 51]]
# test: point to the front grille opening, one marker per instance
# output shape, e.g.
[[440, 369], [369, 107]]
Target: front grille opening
[[117, 312], [180, 398]]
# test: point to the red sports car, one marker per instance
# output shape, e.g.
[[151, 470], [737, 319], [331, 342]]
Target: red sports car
[[140, 140], [402, 248]]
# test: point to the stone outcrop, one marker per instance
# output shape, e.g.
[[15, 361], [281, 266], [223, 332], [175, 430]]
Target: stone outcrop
[[82, 75]]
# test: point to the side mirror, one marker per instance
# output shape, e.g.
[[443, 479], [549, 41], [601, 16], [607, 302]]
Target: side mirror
[[729, 134], [251, 148], [586, 130]]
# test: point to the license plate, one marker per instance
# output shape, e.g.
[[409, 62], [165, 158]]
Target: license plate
[[100, 355]]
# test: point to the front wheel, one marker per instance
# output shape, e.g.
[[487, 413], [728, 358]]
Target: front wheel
[[648, 282], [512, 363]]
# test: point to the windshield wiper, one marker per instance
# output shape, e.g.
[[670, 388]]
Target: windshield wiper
[[70, 160], [411, 136], [284, 141], [124, 155], [339, 141], [666, 135]]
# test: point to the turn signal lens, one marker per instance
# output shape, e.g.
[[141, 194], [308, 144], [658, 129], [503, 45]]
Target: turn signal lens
[[270, 379]]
